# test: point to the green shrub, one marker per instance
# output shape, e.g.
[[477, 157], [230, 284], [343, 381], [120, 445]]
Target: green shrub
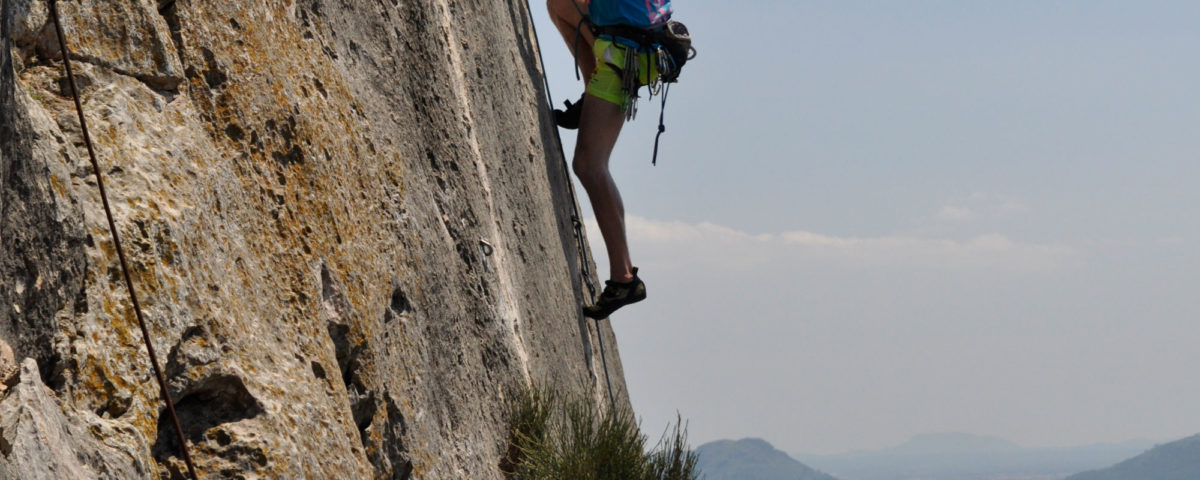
[[673, 459], [555, 438]]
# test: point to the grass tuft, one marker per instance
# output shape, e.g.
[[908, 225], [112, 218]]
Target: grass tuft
[[556, 438], [673, 459]]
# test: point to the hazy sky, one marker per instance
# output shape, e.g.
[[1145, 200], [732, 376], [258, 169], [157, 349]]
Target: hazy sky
[[872, 220]]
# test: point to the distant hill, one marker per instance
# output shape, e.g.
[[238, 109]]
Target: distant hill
[[962, 456], [952, 443], [1178, 460], [751, 459]]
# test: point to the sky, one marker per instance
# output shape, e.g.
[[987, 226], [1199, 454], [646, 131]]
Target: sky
[[877, 219]]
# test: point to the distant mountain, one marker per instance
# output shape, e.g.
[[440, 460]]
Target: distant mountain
[[952, 443], [962, 456], [751, 459], [1178, 460]]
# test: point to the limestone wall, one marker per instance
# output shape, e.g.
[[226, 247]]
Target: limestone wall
[[306, 190]]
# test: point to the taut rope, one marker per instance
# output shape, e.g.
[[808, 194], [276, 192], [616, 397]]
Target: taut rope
[[585, 269], [112, 228]]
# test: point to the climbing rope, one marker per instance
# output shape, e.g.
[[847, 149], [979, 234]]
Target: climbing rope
[[112, 228], [584, 268]]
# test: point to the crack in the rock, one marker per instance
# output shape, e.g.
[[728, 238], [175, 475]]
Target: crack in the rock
[[163, 85], [169, 10]]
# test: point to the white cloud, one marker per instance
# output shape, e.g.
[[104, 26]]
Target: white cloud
[[715, 245], [981, 206], [954, 213], [1012, 208]]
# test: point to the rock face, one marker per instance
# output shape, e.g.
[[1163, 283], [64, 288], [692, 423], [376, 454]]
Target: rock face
[[347, 221], [40, 441]]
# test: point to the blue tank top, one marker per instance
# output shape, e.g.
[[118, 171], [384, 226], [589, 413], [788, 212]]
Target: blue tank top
[[634, 13]]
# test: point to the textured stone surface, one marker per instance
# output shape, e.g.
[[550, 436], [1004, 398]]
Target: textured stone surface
[[39, 441], [306, 192]]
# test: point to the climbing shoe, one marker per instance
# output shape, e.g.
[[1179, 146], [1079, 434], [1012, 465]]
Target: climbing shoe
[[616, 295], [569, 117]]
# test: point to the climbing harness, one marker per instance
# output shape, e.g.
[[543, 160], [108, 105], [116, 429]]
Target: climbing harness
[[584, 269], [112, 228], [670, 47]]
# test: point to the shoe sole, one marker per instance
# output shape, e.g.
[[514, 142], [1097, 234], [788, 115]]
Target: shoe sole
[[602, 314]]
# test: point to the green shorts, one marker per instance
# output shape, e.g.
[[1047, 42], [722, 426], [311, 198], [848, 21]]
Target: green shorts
[[606, 81]]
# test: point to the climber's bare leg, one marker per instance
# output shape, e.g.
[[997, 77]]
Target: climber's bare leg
[[599, 128]]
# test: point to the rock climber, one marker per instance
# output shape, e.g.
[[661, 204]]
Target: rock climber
[[614, 68]]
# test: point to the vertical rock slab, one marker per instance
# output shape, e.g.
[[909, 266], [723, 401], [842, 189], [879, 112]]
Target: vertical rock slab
[[347, 220], [42, 251]]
